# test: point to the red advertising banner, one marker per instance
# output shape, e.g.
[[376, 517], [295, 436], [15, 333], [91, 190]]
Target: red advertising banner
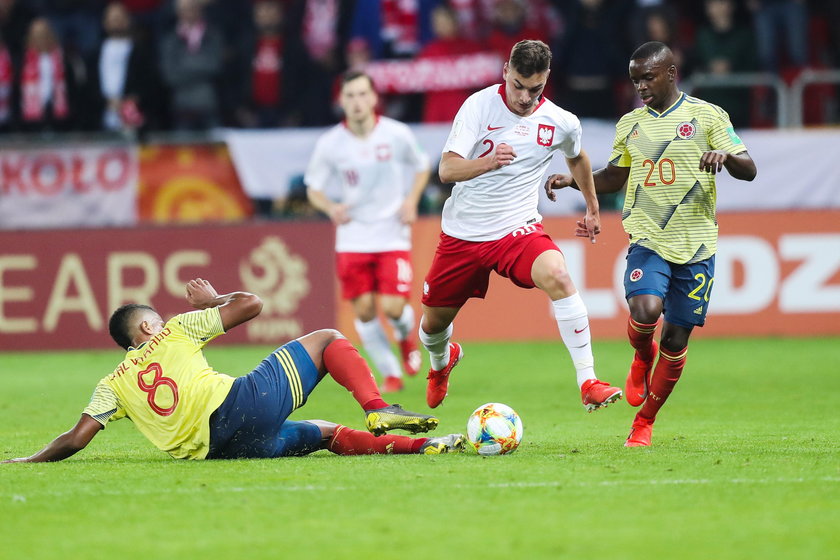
[[58, 288], [776, 273], [190, 184]]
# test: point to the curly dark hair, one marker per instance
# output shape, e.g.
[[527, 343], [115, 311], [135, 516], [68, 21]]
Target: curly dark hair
[[119, 324]]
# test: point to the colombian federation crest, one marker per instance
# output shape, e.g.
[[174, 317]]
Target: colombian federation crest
[[686, 130], [545, 135]]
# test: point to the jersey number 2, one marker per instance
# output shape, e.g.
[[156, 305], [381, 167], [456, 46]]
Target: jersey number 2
[[151, 388]]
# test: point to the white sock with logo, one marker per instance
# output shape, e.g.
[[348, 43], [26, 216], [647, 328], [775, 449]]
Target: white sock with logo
[[438, 346], [404, 324], [573, 322], [378, 348]]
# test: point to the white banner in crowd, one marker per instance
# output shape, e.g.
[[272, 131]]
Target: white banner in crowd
[[440, 73], [796, 169], [68, 187]]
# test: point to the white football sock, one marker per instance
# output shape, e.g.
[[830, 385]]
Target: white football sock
[[573, 322], [378, 348], [404, 324], [438, 346]]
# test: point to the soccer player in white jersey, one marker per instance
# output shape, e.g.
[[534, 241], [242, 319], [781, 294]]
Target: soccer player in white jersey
[[500, 145], [369, 156], [667, 153]]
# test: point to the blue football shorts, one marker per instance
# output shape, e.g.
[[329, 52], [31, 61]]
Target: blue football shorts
[[684, 288], [252, 420]]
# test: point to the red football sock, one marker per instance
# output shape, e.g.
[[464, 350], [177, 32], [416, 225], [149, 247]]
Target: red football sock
[[665, 376], [347, 441], [641, 337], [351, 371]]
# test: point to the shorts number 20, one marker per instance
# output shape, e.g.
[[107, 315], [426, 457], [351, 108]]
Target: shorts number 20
[[702, 283]]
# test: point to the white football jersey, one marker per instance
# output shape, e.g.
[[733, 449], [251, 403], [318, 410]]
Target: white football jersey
[[490, 206], [375, 174]]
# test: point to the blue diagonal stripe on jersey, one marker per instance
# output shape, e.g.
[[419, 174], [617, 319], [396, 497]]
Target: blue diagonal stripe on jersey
[[659, 214], [651, 150], [701, 254], [694, 195]]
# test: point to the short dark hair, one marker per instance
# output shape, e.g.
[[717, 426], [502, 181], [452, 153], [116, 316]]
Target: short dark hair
[[649, 49], [351, 75], [119, 324], [530, 57]]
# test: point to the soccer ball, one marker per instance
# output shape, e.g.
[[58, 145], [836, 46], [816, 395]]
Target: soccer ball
[[494, 429]]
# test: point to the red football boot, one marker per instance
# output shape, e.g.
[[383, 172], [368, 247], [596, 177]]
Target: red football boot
[[638, 380], [640, 432], [598, 394], [439, 380]]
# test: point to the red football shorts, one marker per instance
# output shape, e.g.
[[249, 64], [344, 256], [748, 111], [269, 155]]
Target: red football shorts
[[388, 273], [461, 269]]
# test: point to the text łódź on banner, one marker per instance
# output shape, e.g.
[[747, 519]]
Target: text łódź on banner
[[776, 273]]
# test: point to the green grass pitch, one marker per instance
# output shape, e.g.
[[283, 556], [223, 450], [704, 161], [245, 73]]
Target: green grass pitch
[[745, 464]]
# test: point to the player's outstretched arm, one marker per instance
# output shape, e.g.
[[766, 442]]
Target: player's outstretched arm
[[235, 307], [741, 166], [609, 179], [66, 444], [454, 168], [581, 169]]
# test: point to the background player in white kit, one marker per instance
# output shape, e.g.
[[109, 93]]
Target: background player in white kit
[[370, 157], [500, 145]]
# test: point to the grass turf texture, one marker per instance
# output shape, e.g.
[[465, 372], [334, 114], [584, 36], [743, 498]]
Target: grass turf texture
[[745, 464]]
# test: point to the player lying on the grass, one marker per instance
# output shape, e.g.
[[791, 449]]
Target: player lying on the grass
[[165, 386]]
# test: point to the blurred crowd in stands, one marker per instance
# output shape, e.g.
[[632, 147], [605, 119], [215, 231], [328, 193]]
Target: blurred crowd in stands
[[86, 65]]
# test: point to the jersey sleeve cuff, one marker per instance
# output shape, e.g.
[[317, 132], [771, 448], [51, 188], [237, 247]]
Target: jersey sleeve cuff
[[103, 417]]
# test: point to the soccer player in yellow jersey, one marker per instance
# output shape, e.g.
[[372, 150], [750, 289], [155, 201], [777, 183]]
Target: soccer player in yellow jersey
[[670, 150], [166, 387]]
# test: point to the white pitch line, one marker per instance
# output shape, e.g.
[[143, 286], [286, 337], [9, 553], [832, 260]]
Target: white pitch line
[[92, 491], [664, 482]]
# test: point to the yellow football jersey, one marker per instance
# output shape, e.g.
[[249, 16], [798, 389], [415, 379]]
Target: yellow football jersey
[[670, 203], [166, 386]]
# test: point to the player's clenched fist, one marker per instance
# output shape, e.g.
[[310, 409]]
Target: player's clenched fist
[[504, 155], [200, 293]]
